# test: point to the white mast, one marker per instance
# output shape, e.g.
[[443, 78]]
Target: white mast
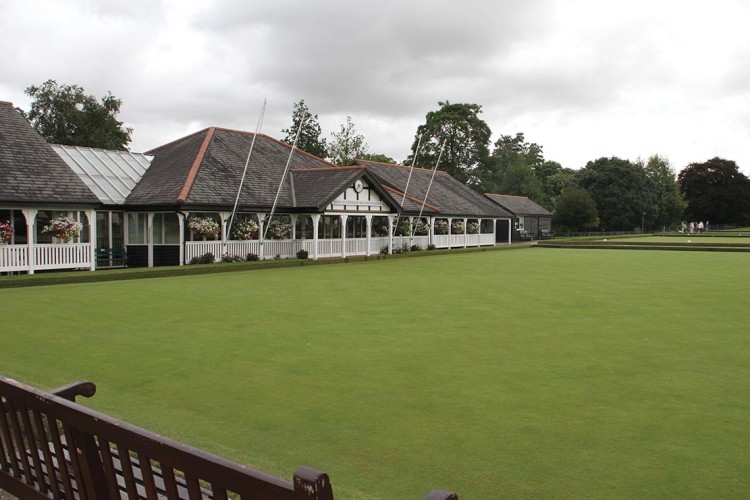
[[244, 172], [424, 201], [283, 178]]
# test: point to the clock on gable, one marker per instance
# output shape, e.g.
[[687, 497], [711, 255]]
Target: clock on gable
[[359, 185]]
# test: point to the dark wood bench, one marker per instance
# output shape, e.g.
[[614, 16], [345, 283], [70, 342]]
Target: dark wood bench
[[111, 257], [52, 447]]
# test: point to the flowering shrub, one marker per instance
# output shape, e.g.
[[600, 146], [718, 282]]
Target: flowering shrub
[[441, 226], [303, 254], [6, 232], [203, 226], [231, 258], [206, 258], [279, 230], [252, 257], [457, 227], [472, 228], [63, 228], [244, 229]]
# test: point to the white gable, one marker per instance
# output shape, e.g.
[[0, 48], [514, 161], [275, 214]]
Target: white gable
[[366, 200]]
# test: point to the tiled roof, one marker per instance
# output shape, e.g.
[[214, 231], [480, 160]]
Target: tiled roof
[[447, 195], [205, 169], [518, 205], [111, 175], [30, 171]]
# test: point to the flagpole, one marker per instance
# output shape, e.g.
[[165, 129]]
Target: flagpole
[[429, 186], [281, 184], [244, 172]]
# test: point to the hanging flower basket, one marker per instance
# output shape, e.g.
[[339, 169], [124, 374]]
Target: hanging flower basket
[[279, 230], [244, 229], [472, 228], [203, 226], [457, 227], [421, 228], [6, 232], [441, 226], [380, 227], [63, 228]]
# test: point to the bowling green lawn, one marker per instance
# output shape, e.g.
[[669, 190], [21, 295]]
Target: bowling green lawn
[[557, 373]]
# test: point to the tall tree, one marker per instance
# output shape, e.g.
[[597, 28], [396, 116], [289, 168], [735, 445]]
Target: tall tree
[[717, 191], [309, 136], [556, 184], [65, 114], [347, 144], [670, 203], [520, 180], [466, 138], [576, 210], [623, 193]]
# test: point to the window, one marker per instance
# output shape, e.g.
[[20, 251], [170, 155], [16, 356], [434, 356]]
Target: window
[[137, 228]]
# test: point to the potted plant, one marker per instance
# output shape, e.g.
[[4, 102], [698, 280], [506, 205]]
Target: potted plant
[[457, 227], [441, 226], [203, 226], [278, 230], [63, 228], [6, 232], [472, 228], [420, 227], [244, 229]]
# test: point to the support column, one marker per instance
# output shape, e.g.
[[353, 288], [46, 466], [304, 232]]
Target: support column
[[181, 225], [30, 214], [91, 216], [390, 235], [466, 230], [261, 231], [450, 233], [368, 219], [343, 235], [431, 233], [315, 221], [150, 238]]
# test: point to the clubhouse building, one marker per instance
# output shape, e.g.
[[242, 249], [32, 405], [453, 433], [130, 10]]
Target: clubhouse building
[[183, 200]]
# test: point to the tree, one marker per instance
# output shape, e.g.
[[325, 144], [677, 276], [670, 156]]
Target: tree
[[64, 114], [377, 157], [346, 145], [716, 191], [556, 184], [623, 193], [670, 203], [466, 138], [309, 137], [576, 210], [520, 180]]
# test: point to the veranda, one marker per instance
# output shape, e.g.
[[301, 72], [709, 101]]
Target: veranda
[[342, 235]]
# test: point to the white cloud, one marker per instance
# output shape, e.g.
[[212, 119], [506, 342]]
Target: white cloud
[[582, 78]]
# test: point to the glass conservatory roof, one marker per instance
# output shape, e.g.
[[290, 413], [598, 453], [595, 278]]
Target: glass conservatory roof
[[111, 175]]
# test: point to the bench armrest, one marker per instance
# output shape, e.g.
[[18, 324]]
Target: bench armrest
[[440, 494], [81, 388]]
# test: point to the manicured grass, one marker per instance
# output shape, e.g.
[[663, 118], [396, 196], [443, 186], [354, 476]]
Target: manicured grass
[[529, 373]]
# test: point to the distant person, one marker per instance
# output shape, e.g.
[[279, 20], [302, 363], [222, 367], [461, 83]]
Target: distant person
[[706, 226], [700, 227]]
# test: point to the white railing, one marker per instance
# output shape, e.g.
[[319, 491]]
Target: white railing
[[287, 249], [14, 258], [67, 256]]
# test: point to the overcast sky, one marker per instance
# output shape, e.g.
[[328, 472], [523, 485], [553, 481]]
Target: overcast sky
[[582, 78]]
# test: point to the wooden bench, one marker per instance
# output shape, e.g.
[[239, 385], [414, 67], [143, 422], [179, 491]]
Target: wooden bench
[[111, 257], [52, 447]]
